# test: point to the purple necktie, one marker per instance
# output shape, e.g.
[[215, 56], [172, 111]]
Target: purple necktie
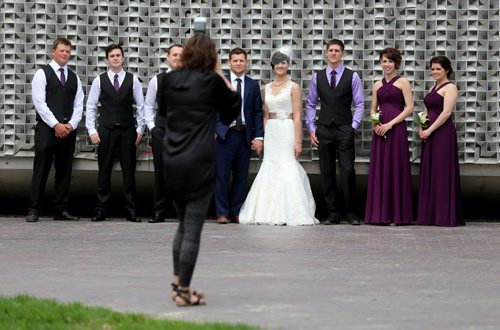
[[63, 77], [116, 83], [333, 80]]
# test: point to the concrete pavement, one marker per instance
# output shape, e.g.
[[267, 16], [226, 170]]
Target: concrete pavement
[[321, 277]]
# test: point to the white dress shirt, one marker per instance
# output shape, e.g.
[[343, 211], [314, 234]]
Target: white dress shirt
[[38, 85], [93, 101], [150, 105]]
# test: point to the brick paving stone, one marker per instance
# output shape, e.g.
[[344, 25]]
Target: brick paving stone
[[321, 277]]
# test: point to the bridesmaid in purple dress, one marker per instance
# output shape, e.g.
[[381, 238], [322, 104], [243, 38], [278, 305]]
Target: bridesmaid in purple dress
[[389, 195], [439, 198]]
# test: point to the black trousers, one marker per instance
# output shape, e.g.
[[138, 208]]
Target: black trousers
[[337, 141], [51, 149], [160, 199], [122, 140], [192, 215]]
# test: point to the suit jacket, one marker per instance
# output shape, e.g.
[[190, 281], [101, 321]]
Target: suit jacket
[[252, 109]]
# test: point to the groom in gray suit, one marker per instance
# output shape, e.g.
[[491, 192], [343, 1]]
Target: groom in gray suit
[[234, 143]]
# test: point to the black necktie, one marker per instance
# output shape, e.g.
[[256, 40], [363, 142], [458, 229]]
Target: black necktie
[[239, 121], [333, 80]]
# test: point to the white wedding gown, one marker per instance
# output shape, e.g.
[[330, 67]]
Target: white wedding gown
[[280, 194]]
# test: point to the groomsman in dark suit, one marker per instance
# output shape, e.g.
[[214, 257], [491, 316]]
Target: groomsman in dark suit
[[337, 89], [116, 91], [156, 125], [58, 99], [234, 143]]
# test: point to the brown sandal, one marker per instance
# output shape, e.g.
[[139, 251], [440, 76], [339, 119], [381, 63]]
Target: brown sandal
[[184, 298], [175, 288]]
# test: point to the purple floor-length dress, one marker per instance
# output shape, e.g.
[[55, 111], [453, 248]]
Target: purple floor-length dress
[[389, 195], [439, 198]]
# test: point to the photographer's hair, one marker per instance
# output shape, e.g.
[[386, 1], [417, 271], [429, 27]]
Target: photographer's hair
[[444, 62], [392, 54], [237, 51], [113, 47], [278, 57], [199, 53], [169, 49], [61, 41], [335, 42]]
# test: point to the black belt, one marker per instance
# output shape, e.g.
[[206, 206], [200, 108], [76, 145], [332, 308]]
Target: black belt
[[238, 128]]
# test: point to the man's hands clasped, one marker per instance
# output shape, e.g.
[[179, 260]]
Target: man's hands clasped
[[62, 130]]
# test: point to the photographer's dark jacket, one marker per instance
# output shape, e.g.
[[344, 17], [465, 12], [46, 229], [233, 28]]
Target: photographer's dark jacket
[[189, 102]]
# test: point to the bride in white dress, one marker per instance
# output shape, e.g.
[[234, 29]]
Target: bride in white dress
[[281, 194]]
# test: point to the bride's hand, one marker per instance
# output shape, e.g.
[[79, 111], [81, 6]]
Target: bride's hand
[[297, 149]]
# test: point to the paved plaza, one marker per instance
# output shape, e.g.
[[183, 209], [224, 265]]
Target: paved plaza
[[321, 277]]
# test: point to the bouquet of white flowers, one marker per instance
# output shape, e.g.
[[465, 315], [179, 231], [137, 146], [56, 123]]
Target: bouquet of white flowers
[[375, 119], [423, 120]]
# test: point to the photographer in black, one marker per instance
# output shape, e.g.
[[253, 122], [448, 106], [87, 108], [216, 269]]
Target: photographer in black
[[189, 99]]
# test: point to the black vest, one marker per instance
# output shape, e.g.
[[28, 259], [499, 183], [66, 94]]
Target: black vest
[[161, 115], [336, 104], [59, 98], [116, 106]]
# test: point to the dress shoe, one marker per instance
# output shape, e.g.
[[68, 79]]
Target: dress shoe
[[65, 216], [157, 218], [235, 219], [332, 220], [353, 219], [99, 216], [222, 220], [132, 217], [32, 216]]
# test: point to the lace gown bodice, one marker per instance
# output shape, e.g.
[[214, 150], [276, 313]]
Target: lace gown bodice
[[280, 103]]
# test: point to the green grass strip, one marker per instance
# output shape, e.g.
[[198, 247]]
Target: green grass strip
[[25, 312]]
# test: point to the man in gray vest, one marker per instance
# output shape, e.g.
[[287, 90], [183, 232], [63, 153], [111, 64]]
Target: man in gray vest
[[156, 125], [58, 99], [337, 89], [116, 90]]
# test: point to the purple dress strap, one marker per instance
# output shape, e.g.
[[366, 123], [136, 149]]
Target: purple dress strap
[[390, 82], [435, 90]]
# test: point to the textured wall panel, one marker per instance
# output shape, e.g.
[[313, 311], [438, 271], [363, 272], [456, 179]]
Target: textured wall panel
[[467, 31]]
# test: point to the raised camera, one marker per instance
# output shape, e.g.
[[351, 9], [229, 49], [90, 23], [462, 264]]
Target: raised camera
[[200, 24]]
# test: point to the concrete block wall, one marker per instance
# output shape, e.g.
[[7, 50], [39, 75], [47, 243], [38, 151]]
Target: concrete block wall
[[467, 31]]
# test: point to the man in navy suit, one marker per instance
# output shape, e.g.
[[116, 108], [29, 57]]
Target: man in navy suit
[[234, 143]]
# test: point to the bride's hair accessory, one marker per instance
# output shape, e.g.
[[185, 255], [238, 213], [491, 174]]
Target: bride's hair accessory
[[281, 54]]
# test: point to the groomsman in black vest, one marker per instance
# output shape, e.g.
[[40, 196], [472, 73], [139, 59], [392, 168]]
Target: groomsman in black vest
[[119, 131], [156, 125], [337, 89], [58, 99], [234, 143]]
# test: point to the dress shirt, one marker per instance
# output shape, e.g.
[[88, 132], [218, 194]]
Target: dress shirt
[[93, 101], [38, 85], [235, 83], [150, 104], [313, 97]]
